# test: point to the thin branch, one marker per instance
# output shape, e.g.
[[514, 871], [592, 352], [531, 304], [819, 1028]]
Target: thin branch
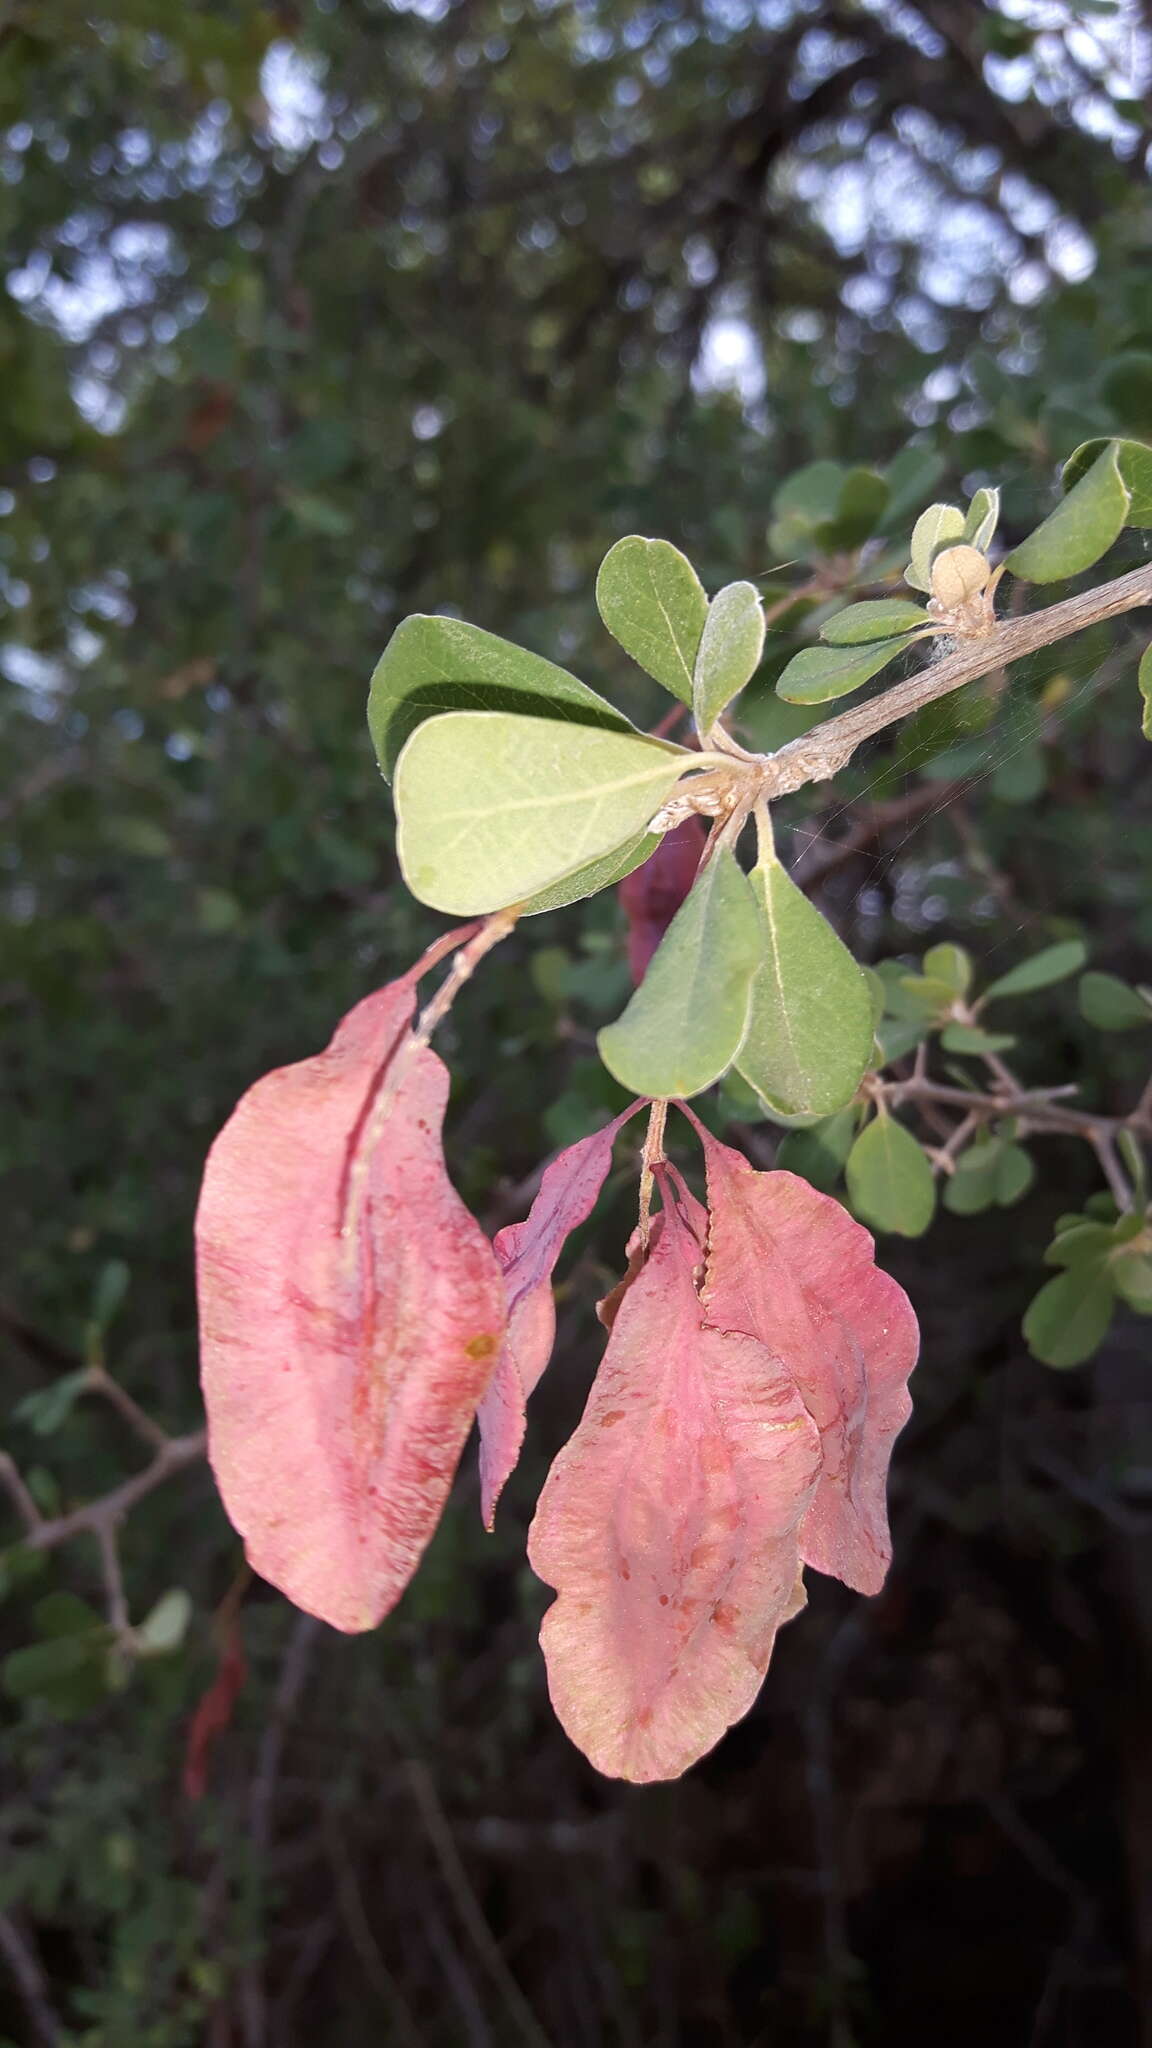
[[100, 1381], [18, 1493], [818, 755], [178, 1451], [24, 1964]]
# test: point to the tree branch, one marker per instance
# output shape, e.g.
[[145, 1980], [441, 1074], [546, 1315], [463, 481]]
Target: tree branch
[[818, 755]]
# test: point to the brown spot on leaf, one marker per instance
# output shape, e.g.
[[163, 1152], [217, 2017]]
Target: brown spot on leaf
[[481, 1347]]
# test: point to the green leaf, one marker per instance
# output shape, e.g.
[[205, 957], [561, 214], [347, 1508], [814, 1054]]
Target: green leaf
[[1144, 681], [1111, 1004], [729, 652], [49, 1407], [805, 501], [810, 1032], [971, 1188], [493, 808], [881, 618], [817, 674], [1135, 459], [967, 1038], [1069, 1318], [1083, 1241], [602, 873], [687, 1019], [939, 527], [111, 1289], [1132, 1279], [433, 664], [890, 1182], [652, 601], [1127, 386], [164, 1628], [1044, 969], [1081, 529], [949, 964], [860, 507], [982, 520], [41, 1668], [911, 476], [1015, 1173], [818, 1154]]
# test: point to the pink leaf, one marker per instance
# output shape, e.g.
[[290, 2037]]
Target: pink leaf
[[668, 1526], [652, 894], [351, 1311], [528, 1253], [791, 1267]]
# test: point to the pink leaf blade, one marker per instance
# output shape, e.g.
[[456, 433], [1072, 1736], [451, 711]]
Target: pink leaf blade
[[668, 1527], [351, 1314], [652, 894], [789, 1266], [528, 1252]]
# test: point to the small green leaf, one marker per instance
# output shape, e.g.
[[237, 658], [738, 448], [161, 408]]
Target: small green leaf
[[687, 1019], [880, 618], [1132, 1278], [111, 1289], [1144, 681], [1069, 1318], [817, 674], [49, 1407], [911, 477], [652, 601], [729, 652], [810, 1031], [1043, 970], [818, 1154], [48, 1669], [494, 808], [967, 1038], [949, 964], [1083, 1241], [434, 664], [939, 527], [982, 520], [1132, 1157], [805, 501], [1135, 460], [971, 1188], [1081, 529], [1015, 1173], [890, 1182], [1112, 1005], [164, 1628], [860, 507]]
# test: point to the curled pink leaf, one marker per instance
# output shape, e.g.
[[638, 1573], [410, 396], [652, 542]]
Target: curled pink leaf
[[652, 894], [790, 1267], [668, 1525], [351, 1314], [528, 1253]]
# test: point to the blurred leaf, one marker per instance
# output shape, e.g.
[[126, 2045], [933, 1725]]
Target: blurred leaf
[[1112, 1005], [1068, 1320], [1144, 681], [1132, 1278], [911, 476], [729, 652], [968, 1038], [818, 1154], [652, 601], [860, 507], [45, 1410], [949, 964], [164, 1628], [1043, 970]]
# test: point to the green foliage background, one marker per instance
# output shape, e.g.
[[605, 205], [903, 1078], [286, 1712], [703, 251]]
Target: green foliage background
[[319, 315]]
